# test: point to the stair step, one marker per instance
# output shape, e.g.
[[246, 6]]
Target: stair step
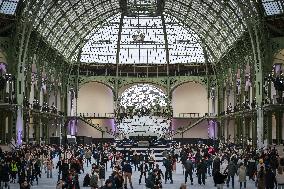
[[5, 148]]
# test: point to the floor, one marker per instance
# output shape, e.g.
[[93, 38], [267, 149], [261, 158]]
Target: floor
[[178, 178]]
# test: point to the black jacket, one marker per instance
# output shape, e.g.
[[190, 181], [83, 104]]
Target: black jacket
[[219, 178]]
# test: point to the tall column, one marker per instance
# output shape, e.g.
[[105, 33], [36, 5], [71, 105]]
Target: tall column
[[2, 127], [269, 127], [279, 117], [259, 128]]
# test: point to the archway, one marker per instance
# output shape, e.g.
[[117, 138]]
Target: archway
[[189, 97], [143, 111], [94, 97]]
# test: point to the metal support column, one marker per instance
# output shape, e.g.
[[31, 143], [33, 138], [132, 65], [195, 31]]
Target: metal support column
[[279, 117]]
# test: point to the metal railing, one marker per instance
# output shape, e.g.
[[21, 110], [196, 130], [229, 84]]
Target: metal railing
[[187, 115], [96, 115], [112, 115]]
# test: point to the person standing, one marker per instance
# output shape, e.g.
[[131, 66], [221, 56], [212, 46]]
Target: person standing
[[169, 172], [5, 175], [94, 179], [280, 178], [159, 174], [232, 170], [108, 184], [49, 167], [136, 160], [102, 173], [127, 170], [201, 170], [14, 170], [261, 178], [219, 179], [242, 171], [270, 179], [143, 168], [88, 156], [188, 165]]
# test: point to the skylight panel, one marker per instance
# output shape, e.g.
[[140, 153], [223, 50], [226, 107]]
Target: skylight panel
[[8, 6], [273, 7]]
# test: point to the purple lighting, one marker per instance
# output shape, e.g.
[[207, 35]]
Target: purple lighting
[[72, 127], [3, 67], [19, 127], [212, 126]]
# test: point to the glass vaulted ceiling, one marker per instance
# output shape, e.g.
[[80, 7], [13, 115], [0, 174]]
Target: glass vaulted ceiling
[[273, 7], [8, 6], [66, 24], [142, 42]]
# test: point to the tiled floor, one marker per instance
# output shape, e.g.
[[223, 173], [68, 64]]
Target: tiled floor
[[178, 178]]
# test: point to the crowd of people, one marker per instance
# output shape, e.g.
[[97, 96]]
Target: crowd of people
[[222, 164]]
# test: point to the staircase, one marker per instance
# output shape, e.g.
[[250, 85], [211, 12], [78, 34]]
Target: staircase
[[157, 151], [5, 148], [89, 122], [97, 127], [184, 129]]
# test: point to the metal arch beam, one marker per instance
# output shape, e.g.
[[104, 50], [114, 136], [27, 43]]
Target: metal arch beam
[[77, 14], [209, 49], [232, 9], [90, 21], [217, 20], [76, 45], [213, 10], [85, 34], [200, 28], [82, 36], [68, 10], [210, 24], [166, 42], [44, 16], [71, 38], [63, 16], [201, 39]]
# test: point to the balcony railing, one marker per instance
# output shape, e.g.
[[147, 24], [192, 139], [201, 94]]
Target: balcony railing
[[112, 115], [96, 115]]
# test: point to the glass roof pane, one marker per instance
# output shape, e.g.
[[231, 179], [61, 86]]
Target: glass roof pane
[[273, 7], [143, 38], [101, 47], [78, 18], [184, 45], [142, 42], [8, 6]]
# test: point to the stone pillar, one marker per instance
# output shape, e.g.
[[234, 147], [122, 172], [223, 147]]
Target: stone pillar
[[6, 127], [2, 127], [259, 128], [19, 126], [69, 103], [279, 117], [269, 127]]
